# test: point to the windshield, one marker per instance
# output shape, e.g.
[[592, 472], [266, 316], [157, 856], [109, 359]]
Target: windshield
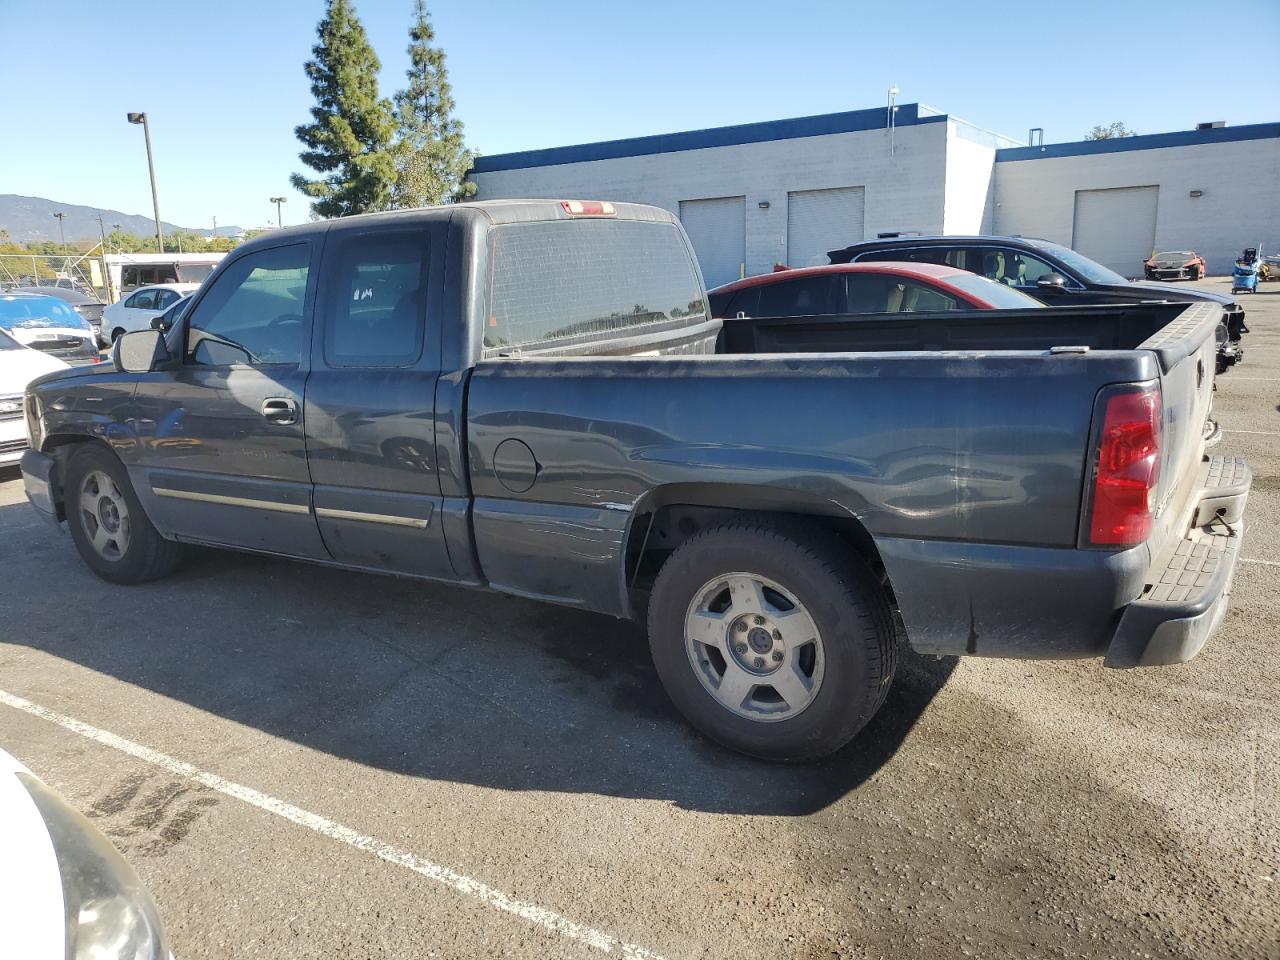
[[27, 312], [998, 295], [1174, 255], [1091, 270]]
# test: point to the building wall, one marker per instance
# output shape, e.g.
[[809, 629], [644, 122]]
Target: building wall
[[904, 191], [1240, 205], [970, 175]]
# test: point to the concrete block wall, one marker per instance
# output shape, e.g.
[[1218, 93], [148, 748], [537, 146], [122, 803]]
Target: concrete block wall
[[1240, 205], [904, 191]]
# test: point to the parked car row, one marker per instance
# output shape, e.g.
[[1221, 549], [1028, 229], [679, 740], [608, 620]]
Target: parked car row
[[1050, 272]]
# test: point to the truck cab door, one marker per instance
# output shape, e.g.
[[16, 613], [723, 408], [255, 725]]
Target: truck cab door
[[219, 454], [370, 404]]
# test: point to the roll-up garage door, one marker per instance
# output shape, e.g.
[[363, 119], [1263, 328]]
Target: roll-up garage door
[[1116, 227], [822, 220], [717, 229]]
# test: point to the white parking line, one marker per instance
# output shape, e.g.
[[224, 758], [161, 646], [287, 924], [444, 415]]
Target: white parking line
[[1266, 563], [459, 883], [1258, 379], [1256, 433]]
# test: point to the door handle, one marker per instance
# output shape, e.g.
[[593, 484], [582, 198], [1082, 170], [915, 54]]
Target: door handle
[[280, 410]]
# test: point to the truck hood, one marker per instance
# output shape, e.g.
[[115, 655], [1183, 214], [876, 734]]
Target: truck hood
[[20, 367]]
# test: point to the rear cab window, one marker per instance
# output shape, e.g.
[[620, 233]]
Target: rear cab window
[[560, 284]]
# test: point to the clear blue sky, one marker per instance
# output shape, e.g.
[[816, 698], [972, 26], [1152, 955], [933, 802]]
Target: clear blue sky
[[223, 84]]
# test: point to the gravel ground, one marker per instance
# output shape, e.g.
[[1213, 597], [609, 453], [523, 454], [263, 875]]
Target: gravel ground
[[993, 809]]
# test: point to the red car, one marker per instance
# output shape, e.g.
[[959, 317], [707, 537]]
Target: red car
[[845, 288], [1175, 265]]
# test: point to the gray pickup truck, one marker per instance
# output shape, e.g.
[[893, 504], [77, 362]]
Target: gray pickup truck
[[529, 396]]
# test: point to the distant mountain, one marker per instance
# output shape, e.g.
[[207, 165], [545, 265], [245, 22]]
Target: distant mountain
[[29, 219]]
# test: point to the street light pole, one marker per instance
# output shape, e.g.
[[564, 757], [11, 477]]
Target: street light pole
[[151, 167], [277, 201], [60, 216]]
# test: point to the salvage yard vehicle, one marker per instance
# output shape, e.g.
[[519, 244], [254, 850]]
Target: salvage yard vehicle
[[1050, 272], [138, 309], [50, 326], [1174, 265], [529, 396], [19, 365], [864, 288], [89, 307], [65, 892]]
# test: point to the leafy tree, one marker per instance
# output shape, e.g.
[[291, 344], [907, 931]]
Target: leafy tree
[[432, 159], [349, 139], [1113, 131]]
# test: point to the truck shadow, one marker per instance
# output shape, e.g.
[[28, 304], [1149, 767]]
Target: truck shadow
[[423, 680]]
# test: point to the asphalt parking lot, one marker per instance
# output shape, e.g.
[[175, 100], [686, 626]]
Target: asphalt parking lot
[[303, 762]]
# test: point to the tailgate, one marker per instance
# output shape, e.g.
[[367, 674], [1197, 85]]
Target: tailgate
[[1186, 352]]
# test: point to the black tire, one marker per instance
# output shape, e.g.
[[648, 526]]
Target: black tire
[[1196, 274], [146, 555], [116, 334], [845, 602]]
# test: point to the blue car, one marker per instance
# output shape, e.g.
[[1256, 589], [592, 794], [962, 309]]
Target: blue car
[[49, 325]]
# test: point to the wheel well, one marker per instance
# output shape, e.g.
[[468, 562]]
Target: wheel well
[[60, 447], [661, 527]]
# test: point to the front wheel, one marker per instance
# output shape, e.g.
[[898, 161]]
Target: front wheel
[[773, 640], [112, 534]]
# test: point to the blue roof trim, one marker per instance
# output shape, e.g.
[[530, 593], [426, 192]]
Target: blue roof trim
[[816, 126], [1153, 141]]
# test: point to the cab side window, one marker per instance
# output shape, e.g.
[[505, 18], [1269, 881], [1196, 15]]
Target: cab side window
[[375, 313], [253, 313], [143, 300]]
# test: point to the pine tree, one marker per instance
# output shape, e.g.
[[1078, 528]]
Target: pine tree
[[432, 159], [349, 141]]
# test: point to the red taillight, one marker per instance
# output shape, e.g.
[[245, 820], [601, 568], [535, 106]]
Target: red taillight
[[1124, 487], [588, 208]]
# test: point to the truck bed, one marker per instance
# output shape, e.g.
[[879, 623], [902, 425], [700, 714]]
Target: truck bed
[[1095, 327], [958, 441]]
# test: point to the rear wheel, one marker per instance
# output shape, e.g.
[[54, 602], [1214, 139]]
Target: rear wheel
[[116, 334], [771, 639], [110, 530]]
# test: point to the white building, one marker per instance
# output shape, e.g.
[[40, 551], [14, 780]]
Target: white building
[[788, 191]]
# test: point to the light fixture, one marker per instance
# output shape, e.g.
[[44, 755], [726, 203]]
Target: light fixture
[[763, 204], [1197, 193]]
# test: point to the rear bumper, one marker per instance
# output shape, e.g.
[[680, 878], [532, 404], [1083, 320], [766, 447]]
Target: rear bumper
[[1189, 586], [40, 480]]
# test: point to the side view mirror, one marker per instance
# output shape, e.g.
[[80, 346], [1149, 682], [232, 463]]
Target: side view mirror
[[1052, 281], [140, 352], [159, 323]]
